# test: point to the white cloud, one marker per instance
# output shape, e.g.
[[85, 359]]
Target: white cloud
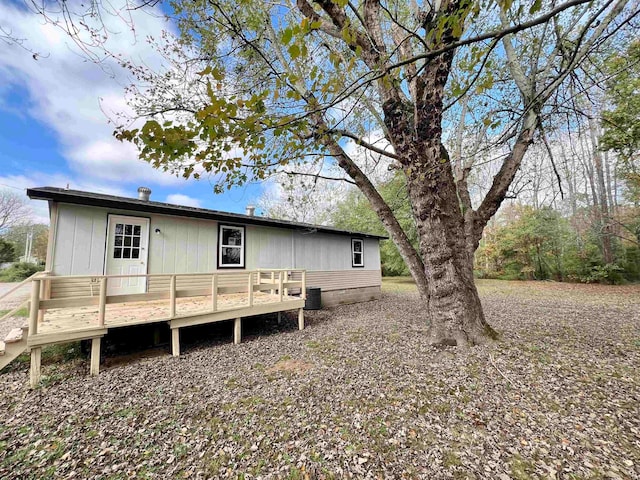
[[109, 160], [74, 96], [39, 208], [180, 199]]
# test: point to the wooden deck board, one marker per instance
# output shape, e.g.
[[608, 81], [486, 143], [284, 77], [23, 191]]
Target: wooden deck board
[[61, 320]]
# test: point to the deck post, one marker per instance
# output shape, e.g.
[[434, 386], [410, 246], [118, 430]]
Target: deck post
[[95, 356], [34, 307], [214, 292], [301, 319], [35, 373], [172, 296], [175, 342], [286, 290], [237, 331], [44, 294], [303, 288], [280, 292], [103, 301], [273, 281], [250, 289]]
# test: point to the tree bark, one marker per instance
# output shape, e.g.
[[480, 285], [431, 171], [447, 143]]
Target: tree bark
[[602, 205], [454, 310]]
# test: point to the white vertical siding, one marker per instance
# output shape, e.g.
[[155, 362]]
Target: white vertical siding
[[79, 241], [187, 245], [268, 247], [184, 245]]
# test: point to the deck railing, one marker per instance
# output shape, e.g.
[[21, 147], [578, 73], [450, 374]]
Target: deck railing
[[275, 281]]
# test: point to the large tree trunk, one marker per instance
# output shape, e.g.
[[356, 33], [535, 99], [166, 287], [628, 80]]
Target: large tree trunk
[[453, 306], [455, 312]]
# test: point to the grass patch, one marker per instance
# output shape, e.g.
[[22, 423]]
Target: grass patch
[[23, 312], [450, 459], [64, 352], [521, 469], [398, 284]]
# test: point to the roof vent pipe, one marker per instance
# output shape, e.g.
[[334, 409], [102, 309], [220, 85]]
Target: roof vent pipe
[[144, 193], [250, 210]]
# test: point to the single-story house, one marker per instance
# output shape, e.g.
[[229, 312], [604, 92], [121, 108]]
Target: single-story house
[[98, 234], [115, 262]]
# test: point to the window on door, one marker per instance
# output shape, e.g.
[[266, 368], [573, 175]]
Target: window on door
[[126, 242], [357, 252], [231, 247]]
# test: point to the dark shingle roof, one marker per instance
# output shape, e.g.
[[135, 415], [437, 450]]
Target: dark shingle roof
[[124, 203]]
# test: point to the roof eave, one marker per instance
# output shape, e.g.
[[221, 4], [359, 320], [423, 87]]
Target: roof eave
[[122, 203]]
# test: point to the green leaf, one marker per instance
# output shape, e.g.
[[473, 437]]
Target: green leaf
[[287, 35], [217, 74], [294, 51], [537, 5], [204, 72]]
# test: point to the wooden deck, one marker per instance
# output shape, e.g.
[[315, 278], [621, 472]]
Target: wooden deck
[[181, 300], [60, 320]]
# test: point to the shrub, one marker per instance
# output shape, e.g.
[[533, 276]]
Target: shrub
[[19, 271], [609, 273]]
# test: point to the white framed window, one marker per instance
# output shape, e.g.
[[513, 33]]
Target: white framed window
[[357, 252], [230, 246]]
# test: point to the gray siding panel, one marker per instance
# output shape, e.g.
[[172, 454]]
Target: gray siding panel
[[326, 252], [184, 245], [340, 280], [268, 248], [280, 248], [80, 241]]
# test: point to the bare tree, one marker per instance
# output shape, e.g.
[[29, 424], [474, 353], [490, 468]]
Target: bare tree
[[13, 210]]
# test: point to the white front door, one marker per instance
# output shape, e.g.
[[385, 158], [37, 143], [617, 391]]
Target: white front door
[[127, 253]]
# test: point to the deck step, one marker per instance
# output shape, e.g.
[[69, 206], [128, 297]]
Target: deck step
[[14, 336], [12, 351], [42, 339]]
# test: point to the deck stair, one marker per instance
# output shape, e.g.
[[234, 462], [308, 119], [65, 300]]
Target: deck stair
[[14, 344]]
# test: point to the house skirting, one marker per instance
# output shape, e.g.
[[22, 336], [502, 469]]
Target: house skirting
[[350, 295]]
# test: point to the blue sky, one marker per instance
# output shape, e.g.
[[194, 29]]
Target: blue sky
[[54, 118]]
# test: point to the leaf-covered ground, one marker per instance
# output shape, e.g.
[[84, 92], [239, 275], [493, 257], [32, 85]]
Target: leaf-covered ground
[[358, 394]]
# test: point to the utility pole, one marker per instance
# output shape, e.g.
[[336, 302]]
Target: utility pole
[[27, 246]]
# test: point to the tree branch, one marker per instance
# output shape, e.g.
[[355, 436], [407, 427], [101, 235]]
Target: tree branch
[[359, 141]]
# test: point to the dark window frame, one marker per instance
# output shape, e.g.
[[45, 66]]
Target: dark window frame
[[243, 255], [353, 263]]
